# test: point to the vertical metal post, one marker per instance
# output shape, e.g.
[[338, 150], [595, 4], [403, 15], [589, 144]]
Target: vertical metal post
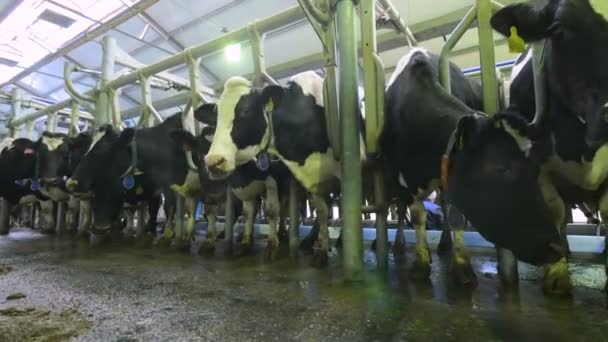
[[331, 90], [141, 217], [51, 123], [349, 124], [29, 129], [16, 106], [179, 219], [229, 218], [257, 52], [102, 106], [294, 219], [74, 130], [195, 86], [506, 259], [146, 119], [540, 98], [444, 58], [5, 216], [61, 211]]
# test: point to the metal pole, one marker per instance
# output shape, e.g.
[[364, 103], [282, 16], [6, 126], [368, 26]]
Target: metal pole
[[196, 100], [5, 216], [74, 130], [102, 106], [294, 219], [351, 159], [145, 120], [51, 123], [506, 259], [540, 98], [330, 91], [229, 218], [444, 57], [16, 107], [61, 206], [29, 129], [141, 217]]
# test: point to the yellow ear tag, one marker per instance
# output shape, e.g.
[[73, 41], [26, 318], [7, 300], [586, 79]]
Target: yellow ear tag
[[139, 191], [270, 106], [516, 43]]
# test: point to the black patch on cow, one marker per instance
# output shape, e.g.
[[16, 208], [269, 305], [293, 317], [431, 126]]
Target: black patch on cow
[[249, 124]]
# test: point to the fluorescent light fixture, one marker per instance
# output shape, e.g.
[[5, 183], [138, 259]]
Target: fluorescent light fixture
[[233, 53]]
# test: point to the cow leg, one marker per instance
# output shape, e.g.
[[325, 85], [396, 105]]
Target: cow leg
[[461, 264], [399, 245], [604, 214], [284, 209], [153, 207], [86, 217], [191, 211], [271, 210], [168, 231], [422, 265], [49, 216], [557, 277], [129, 230], [445, 243], [249, 213], [320, 257], [71, 217]]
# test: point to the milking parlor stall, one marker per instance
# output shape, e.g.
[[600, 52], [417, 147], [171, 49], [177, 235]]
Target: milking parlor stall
[[311, 170]]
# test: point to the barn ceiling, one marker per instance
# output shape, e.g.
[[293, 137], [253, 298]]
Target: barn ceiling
[[32, 29]]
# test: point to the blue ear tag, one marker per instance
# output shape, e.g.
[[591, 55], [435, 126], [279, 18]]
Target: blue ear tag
[[128, 182], [35, 186], [263, 161]]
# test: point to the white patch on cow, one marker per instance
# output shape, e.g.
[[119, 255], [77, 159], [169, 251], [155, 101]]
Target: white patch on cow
[[517, 68], [28, 199], [311, 84], [188, 121], [523, 142], [402, 181], [588, 175], [52, 143], [222, 144], [600, 7], [209, 137], [250, 191], [6, 143], [98, 136], [318, 169], [403, 62]]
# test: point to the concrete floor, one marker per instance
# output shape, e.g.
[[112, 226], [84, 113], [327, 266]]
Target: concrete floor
[[121, 293]]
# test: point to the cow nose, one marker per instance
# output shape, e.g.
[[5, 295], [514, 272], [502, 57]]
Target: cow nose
[[216, 163], [71, 184]]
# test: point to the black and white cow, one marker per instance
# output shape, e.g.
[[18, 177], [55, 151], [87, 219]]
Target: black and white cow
[[110, 171], [286, 122], [569, 151], [17, 164], [57, 156], [248, 183], [420, 118]]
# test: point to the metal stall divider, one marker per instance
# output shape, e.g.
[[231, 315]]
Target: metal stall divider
[[482, 12]]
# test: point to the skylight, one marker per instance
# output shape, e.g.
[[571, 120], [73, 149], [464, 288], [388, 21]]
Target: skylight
[[36, 28]]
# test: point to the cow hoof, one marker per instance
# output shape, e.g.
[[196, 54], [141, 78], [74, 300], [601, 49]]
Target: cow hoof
[[464, 274], [420, 270], [320, 258], [207, 247], [47, 231], [307, 244], [272, 252], [245, 248], [399, 248], [557, 279]]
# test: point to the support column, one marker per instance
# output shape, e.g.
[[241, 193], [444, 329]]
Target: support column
[[16, 106], [102, 106], [349, 124], [507, 263], [74, 130]]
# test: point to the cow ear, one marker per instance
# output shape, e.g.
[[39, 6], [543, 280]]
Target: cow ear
[[272, 95], [526, 20], [126, 136], [207, 114], [465, 133], [184, 139]]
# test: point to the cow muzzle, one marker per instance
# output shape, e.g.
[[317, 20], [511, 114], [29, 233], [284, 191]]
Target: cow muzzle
[[71, 185], [219, 166]]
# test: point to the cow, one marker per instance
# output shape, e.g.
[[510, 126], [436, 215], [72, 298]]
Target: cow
[[287, 123], [57, 156], [133, 165], [248, 183], [566, 150], [420, 118], [17, 164]]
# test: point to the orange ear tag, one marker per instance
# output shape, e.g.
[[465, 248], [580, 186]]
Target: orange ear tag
[[445, 167]]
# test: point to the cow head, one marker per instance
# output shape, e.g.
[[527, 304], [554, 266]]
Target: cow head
[[53, 151], [240, 117], [496, 185], [17, 159], [575, 62]]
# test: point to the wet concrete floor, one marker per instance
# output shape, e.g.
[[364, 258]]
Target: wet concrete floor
[[121, 293]]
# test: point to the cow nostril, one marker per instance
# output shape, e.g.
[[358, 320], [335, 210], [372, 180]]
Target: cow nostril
[[215, 162]]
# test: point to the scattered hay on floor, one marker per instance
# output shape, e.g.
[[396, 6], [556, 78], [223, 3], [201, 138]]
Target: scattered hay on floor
[[30, 324], [5, 269]]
